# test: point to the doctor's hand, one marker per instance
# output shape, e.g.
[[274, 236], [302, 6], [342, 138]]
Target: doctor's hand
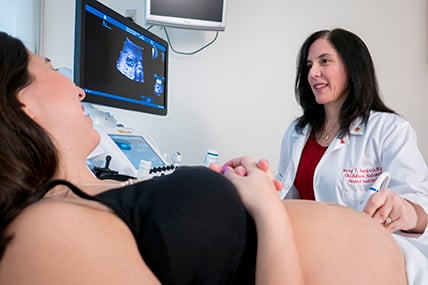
[[396, 213]]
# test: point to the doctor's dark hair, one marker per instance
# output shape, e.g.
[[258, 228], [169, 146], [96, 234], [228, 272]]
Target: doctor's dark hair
[[28, 157], [363, 88]]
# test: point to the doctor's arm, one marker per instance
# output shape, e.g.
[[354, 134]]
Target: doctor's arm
[[404, 205]]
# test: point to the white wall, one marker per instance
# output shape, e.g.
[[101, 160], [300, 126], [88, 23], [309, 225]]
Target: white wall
[[20, 18], [237, 95]]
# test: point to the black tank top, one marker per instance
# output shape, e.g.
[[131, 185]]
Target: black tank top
[[190, 226]]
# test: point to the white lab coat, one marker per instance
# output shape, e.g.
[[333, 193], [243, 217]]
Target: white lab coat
[[352, 163]]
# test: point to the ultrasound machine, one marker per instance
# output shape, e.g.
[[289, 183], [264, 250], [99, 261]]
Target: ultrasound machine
[[125, 153], [120, 64]]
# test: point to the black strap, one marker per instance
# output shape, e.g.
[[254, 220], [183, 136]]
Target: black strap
[[76, 190]]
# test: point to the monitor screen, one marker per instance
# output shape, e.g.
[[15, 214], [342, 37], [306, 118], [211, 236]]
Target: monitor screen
[[191, 14], [117, 62], [136, 148]]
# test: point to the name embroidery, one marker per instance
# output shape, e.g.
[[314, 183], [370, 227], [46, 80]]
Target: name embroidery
[[361, 175]]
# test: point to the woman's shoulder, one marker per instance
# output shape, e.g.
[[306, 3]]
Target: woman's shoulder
[[63, 213], [62, 242]]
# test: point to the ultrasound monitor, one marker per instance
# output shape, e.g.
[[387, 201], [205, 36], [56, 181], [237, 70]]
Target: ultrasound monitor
[[117, 62]]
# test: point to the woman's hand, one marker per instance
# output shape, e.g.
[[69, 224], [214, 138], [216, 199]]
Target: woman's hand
[[237, 166], [254, 182], [396, 213], [277, 256]]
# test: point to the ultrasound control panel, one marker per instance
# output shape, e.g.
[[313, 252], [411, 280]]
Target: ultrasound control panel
[[127, 152]]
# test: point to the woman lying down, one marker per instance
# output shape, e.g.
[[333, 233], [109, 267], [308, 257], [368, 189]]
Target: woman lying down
[[62, 225]]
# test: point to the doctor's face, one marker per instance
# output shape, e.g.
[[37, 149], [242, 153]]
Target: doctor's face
[[327, 74], [54, 102]]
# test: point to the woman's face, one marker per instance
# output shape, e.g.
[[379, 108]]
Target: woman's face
[[54, 102], [327, 74]]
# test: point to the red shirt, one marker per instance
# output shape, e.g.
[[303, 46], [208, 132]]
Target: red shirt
[[311, 155]]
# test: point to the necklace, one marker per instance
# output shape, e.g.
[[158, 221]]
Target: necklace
[[327, 135], [117, 183], [61, 193], [113, 184]]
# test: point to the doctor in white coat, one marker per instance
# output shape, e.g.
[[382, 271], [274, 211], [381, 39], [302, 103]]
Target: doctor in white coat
[[347, 137]]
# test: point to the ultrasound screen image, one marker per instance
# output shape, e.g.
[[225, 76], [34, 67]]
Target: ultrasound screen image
[[122, 66], [130, 62]]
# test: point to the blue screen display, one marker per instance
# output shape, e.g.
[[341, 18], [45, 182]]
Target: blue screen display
[[136, 149], [117, 62]]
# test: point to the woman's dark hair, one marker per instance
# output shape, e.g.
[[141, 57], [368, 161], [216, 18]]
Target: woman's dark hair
[[363, 88], [28, 157]]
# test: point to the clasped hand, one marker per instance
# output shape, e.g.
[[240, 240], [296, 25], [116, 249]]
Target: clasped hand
[[254, 181]]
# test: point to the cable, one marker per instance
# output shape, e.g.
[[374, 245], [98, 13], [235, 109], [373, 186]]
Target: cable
[[189, 53], [181, 52]]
